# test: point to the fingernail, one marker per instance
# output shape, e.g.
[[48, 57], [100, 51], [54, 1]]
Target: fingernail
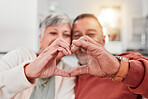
[[74, 40]]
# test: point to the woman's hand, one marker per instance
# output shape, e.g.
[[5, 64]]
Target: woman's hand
[[45, 64]]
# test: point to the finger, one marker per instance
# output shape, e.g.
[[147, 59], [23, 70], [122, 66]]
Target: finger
[[85, 42], [62, 43], [44, 59], [57, 42], [88, 39], [64, 51], [51, 55], [89, 47], [79, 70], [66, 46], [74, 48], [53, 52], [81, 43], [60, 72], [62, 40], [49, 48]]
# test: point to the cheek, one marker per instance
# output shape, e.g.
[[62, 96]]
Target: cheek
[[97, 39], [68, 40], [49, 41]]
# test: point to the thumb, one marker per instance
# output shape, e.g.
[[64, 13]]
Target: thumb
[[60, 72], [79, 70]]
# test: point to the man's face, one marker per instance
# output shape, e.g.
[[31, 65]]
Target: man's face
[[51, 33], [90, 27]]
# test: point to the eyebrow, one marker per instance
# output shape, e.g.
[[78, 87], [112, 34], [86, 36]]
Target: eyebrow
[[66, 31], [91, 30], [52, 29], [76, 31]]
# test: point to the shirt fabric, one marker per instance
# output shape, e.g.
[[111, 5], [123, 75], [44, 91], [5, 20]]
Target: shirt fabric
[[14, 84], [134, 85], [44, 88]]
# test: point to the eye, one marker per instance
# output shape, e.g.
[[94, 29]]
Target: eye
[[53, 33], [76, 36], [66, 35], [91, 34]]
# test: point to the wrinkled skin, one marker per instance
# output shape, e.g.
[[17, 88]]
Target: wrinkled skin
[[54, 44], [101, 63], [45, 64], [88, 45]]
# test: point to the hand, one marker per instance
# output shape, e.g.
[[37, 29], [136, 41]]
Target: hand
[[101, 63], [45, 64]]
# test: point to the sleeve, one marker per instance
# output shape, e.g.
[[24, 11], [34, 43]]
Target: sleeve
[[137, 78], [12, 76]]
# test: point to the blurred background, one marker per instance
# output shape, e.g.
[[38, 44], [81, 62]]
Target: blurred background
[[125, 22]]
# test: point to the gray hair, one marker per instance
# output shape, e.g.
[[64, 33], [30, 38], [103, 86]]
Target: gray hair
[[53, 19]]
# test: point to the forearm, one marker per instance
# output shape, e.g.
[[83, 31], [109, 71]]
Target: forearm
[[135, 74], [137, 77], [13, 81], [26, 72]]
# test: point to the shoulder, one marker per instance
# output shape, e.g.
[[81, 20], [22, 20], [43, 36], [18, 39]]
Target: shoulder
[[18, 55], [22, 50]]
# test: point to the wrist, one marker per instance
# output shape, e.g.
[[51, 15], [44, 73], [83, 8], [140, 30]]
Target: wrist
[[123, 69], [26, 71]]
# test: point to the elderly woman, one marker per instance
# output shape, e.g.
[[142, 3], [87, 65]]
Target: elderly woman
[[25, 74]]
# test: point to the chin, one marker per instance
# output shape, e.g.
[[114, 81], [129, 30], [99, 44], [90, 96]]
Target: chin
[[82, 57]]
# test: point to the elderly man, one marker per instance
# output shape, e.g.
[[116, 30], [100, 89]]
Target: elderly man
[[20, 68], [99, 65]]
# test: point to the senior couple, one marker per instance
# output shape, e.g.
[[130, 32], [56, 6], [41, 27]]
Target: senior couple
[[25, 74]]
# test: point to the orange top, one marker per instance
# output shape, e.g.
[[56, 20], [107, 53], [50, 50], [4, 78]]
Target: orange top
[[90, 87]]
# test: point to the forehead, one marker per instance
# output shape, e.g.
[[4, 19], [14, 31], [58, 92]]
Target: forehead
[[86, 23], [65, 26]]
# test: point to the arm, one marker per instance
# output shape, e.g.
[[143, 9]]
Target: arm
[[103, 64], [137, 77], [42, 66], [12, 77]]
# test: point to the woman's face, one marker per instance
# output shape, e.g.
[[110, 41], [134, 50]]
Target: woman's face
[[51, 33]]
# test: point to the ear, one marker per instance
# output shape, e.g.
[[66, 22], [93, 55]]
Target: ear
[[104, 40]]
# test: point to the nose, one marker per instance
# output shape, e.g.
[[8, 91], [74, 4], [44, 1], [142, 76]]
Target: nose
[[60, 35], [83, 34]]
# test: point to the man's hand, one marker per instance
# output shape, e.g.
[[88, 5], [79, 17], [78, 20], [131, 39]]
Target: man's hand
[[101, 62], [45, 64]]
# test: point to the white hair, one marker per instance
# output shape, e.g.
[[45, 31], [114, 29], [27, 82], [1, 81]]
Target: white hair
[[53, 19]]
